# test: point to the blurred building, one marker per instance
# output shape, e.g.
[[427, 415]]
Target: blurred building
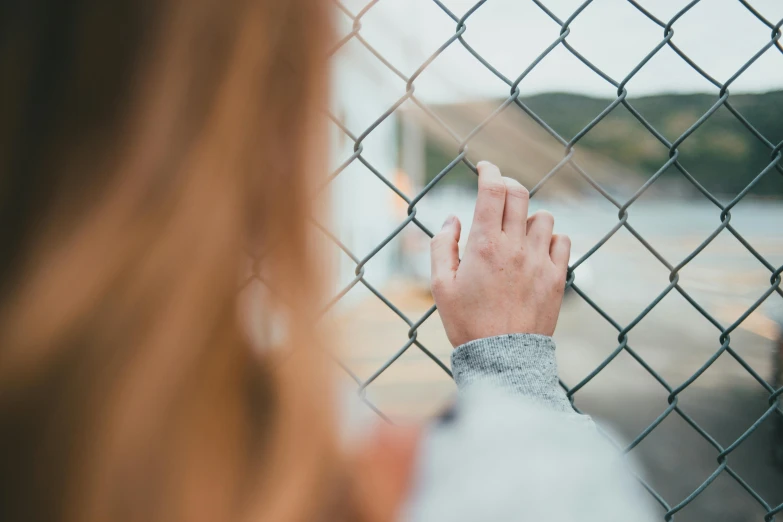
[[365, 210]]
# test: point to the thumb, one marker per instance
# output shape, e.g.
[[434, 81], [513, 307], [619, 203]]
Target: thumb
[[444, 250]]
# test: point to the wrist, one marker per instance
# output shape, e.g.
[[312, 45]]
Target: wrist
[[522, 363]]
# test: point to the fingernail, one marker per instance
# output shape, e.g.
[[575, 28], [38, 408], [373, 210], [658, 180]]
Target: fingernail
[[449, 221], [484, 163]]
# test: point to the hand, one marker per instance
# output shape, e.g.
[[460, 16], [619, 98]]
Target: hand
[[512, 276]]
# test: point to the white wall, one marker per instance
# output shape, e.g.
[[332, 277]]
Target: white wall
[[364, 210]]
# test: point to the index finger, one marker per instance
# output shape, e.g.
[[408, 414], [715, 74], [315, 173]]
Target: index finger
[[491, 200]]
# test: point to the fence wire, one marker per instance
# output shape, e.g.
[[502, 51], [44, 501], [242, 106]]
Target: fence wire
[[514, 102]]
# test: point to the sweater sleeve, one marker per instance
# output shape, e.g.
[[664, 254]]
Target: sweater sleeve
[[496, 457], [523, 364], [503, 459]]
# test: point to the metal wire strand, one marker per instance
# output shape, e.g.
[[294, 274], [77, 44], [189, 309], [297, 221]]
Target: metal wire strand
[[461, 36]]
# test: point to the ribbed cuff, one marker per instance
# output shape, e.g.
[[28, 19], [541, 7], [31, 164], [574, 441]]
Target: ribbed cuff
[[522, 363]]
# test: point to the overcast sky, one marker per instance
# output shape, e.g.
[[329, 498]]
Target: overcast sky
[[719, 35]]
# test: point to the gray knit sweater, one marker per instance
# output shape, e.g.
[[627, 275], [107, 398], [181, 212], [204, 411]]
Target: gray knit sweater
[[515, 450]]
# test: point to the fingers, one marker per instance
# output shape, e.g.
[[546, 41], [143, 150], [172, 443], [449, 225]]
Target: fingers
[[515, 211], [488, 218], [444, 251], [539, 230], [560, 251]]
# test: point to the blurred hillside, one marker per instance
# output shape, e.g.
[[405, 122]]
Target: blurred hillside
[[619, 152]]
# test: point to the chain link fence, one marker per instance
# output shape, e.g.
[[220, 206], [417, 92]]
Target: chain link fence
[[514, 102]]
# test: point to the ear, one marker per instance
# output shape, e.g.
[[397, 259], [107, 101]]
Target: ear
[[384, 472]]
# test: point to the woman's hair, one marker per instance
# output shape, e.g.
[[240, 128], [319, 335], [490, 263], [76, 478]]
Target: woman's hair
[[149, 150]]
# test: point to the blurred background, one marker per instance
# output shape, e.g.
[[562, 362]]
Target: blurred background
[[411, 123]]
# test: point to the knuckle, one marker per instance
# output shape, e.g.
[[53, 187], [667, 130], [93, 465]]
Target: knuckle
[[437, 285], [493, 189], [487, 250], [485, 214], [518, 258], [517, 190], [562, 246], [559, 280], [558, 274], [544, 216]]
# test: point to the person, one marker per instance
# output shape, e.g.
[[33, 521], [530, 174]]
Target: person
[[147, 149]]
